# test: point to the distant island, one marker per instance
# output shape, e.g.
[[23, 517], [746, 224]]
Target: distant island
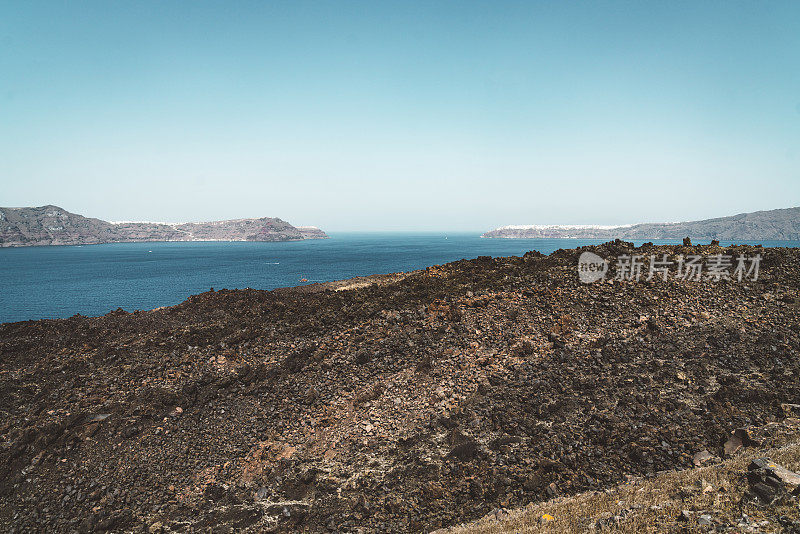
[[51, 225], [780, 224]]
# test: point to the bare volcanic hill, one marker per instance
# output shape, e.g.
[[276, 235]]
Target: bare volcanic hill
[[51, 225], [781, 224], [397, 403]]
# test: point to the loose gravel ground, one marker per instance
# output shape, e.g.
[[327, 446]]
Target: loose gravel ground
[[397, 403]]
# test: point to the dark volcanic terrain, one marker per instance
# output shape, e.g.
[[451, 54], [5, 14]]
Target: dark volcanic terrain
[[396, 403]]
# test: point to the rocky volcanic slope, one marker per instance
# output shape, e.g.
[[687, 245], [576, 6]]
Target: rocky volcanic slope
[[780, 224], [51, 225], [400, 403]]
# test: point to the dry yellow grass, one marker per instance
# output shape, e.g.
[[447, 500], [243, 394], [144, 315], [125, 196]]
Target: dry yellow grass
[[655, 504]]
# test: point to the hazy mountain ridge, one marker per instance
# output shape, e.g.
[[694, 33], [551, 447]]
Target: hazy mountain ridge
[[51, 225], [779, 224]]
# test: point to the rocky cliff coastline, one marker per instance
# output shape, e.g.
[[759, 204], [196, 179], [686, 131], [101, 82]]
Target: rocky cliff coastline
[[51, 225], [780, 225]]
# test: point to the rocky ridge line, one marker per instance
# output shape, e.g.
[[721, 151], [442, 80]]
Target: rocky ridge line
[[780, 224], [51, 225]]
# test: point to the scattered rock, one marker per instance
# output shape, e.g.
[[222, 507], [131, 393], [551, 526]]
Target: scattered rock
[[769, 482], [312, 394], [704, 457], [177, 411], [739, 438]]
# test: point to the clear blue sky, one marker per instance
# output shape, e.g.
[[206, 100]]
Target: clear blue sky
[[401, 115]]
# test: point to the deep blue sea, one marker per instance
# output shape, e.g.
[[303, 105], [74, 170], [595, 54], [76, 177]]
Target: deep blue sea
[[55, 282]]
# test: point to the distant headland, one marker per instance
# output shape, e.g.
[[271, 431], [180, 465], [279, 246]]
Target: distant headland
[[51, 225], [779, 224]]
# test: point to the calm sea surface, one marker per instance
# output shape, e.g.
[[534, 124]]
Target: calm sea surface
[[53, 282]]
